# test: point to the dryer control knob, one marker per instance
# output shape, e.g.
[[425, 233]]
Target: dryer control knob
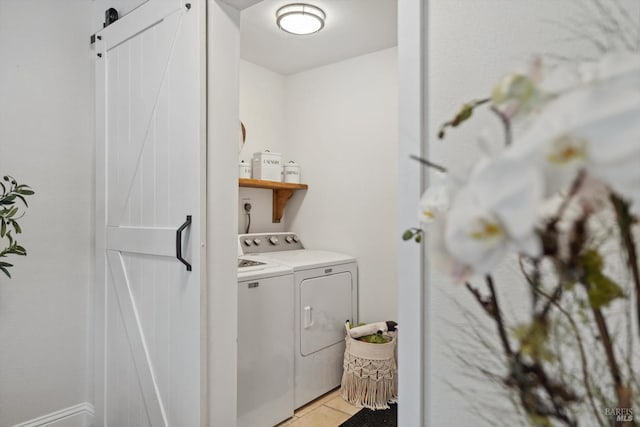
[[295, 239], [288, 239], [256, 241], [247, 242], [273, 240]]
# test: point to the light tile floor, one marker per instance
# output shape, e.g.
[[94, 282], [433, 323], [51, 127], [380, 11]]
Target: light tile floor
[[329, 410]]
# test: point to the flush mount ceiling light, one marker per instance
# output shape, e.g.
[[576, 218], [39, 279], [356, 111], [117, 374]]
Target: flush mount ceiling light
[[300, 18]]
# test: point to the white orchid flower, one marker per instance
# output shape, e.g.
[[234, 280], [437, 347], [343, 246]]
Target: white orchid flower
[[518, 94], [494, 214], [435, 200], [443, 262], [595, 127]]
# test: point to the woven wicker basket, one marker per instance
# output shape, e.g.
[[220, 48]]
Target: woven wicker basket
[[370, 376]]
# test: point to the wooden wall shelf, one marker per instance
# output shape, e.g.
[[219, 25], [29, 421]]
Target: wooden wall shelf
[[282, 192]]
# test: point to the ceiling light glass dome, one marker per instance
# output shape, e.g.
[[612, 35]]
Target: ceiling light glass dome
[[300, 18]]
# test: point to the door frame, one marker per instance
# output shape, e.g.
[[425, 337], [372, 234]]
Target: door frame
[[223, 122], [412, 269], [413, 290], [219, 309]]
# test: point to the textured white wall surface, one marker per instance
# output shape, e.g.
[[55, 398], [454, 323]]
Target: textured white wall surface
[[342, 128], [46, 141], [262, 100], [472, 43], [339, 122]]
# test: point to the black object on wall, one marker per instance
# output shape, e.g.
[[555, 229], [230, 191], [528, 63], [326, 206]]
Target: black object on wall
[[110, 16]]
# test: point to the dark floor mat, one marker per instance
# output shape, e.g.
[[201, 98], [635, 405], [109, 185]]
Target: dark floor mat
[[368, 418]]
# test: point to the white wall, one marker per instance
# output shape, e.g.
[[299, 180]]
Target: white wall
[[262, 101], [262, 98], [471, 45], [46, 141], [339, 122], [342, 128]]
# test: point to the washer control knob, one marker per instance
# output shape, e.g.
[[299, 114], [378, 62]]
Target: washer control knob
[[273, 240], [288, 239], [295, 238], [247, 242], [256, 241]]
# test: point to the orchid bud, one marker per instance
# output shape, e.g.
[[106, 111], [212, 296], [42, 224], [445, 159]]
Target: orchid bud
[[514, 92]]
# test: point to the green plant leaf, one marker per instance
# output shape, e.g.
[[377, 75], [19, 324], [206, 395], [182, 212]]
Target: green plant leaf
[[5, 271], [12, 212], [23, 200], [407, 235], [539, 420], [533, 339], [601, 288], [8, 200], [10, 194]]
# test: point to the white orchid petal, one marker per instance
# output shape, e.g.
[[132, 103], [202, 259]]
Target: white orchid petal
[[512, 190], [435, 200], [579, 119], [530, 245], [614, 65], [611, 139], [498, 205]]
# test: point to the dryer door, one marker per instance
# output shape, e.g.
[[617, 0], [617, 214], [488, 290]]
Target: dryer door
[[325, 305]]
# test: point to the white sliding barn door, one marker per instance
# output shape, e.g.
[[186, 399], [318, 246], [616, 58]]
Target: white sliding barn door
[[150, 178]]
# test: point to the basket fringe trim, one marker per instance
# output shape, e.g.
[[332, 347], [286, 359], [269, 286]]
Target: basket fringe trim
[[369, 383]]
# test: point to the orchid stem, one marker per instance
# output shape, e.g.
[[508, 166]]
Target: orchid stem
[[506, 122], [498, 316], [583, 358], [429, 163], [624, 221]]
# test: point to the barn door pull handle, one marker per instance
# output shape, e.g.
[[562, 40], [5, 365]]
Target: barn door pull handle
[[179, 242]]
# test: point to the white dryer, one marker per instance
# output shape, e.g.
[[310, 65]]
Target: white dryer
[[265, 343], [326, 295]]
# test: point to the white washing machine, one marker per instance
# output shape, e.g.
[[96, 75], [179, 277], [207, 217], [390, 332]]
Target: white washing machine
[[326, 295], [265, 343]]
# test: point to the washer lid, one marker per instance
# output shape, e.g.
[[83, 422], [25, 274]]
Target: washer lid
[[261, 270], [305, 258]]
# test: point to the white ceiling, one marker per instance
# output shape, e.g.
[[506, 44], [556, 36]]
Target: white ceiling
[[352, 28]]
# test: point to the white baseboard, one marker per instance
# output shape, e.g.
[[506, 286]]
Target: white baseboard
[[80, 415]]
